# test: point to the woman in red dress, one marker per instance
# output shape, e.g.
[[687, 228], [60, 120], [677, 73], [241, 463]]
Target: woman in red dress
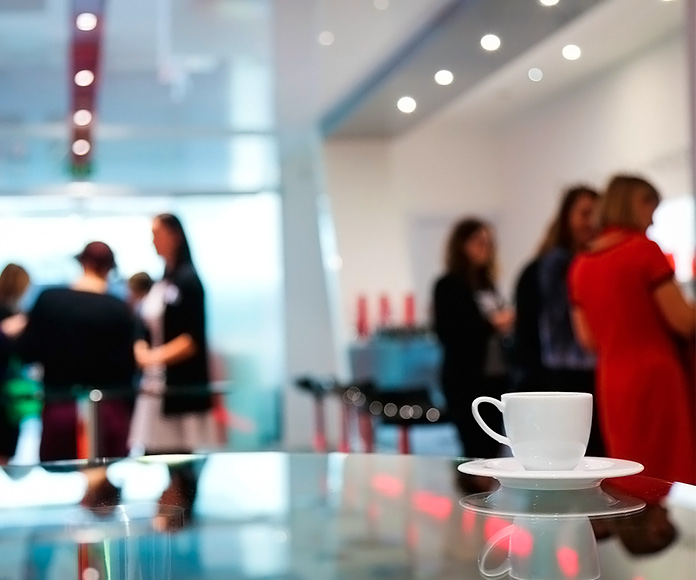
[[628, 308]]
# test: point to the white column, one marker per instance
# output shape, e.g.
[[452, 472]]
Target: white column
[[310, 290]]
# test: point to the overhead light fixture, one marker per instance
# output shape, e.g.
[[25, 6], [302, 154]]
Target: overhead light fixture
[[81, 147], [84, 78], [490, 42], [548, 2], [444, 77], [535, 74], [571, 52], [381, 4], [82, 117], [86, 21], [406, 104], [326, 38]]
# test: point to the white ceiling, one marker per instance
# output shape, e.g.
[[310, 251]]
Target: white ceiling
[[177, 70]]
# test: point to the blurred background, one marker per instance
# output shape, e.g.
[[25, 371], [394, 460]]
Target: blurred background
[[318, 151]]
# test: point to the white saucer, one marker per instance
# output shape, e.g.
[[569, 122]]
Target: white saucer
[[589, 473]]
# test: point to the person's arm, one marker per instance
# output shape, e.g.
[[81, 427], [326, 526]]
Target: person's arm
[[12, 326], [180, 348], [679, 314], [187, 326], [582, 329]]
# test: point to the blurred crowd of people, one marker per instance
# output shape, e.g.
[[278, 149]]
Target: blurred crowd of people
[[147, 355], [597, 309]]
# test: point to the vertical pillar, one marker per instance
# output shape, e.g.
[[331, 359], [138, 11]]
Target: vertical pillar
[[309, 288]]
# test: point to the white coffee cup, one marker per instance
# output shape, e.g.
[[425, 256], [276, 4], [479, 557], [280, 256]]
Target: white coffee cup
[[542, 549], [547, 431]]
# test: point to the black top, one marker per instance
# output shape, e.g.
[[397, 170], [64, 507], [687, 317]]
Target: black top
[[185, 314], [527, 356], [544, 339], [462, 330], [80, 338]]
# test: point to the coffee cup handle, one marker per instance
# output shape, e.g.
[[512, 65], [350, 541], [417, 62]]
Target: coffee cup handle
[[499, 405], [496, 539]]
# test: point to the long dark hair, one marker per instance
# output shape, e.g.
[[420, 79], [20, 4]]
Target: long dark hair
[[183, 252], [456, 260], [559, 234]]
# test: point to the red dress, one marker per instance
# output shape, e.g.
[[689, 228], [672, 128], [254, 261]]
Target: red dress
[[645, 400]]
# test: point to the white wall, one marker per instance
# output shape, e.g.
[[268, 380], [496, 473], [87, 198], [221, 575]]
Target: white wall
[[634, 119], [394, 201]]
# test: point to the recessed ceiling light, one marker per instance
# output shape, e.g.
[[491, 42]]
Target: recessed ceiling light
[[444, 77], [86, 21], [406, 104], [490, 42], [548, 2], [381, 4], [81, 147], [82, 117], [535, 74], [326, 38], [571, 52], [84, 78]]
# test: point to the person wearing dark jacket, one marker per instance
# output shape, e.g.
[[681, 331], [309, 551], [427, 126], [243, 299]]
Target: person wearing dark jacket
[[547, 355], [14, 282], [83, 338], [172, 412], [472, 324]]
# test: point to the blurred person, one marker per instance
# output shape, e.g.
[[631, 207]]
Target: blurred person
[[139, 284], [628, 308], [14, 282], [472, 322], [83, 338], [173, 409], [547, 355]]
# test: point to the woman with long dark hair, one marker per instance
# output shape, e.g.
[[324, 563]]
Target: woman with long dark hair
[[471, 322], [548, 356], [172, 412]]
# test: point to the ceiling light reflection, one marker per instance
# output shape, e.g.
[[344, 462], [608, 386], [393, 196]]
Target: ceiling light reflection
[[548, 2], [381, 4], [535, 74], [406, 104], [84, 78], [571, 52], [490, 42], [444, 77], [86, 21]]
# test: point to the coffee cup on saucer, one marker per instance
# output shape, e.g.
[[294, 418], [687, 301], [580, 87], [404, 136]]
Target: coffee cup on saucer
[[546, 431], [542, 549]]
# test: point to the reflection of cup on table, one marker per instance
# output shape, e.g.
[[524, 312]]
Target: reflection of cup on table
[[545, 430], [542, 549]]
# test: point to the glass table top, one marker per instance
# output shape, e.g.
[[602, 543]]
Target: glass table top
[[295, 516]]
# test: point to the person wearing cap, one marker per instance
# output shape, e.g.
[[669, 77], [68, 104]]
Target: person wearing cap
[[83, 338]]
